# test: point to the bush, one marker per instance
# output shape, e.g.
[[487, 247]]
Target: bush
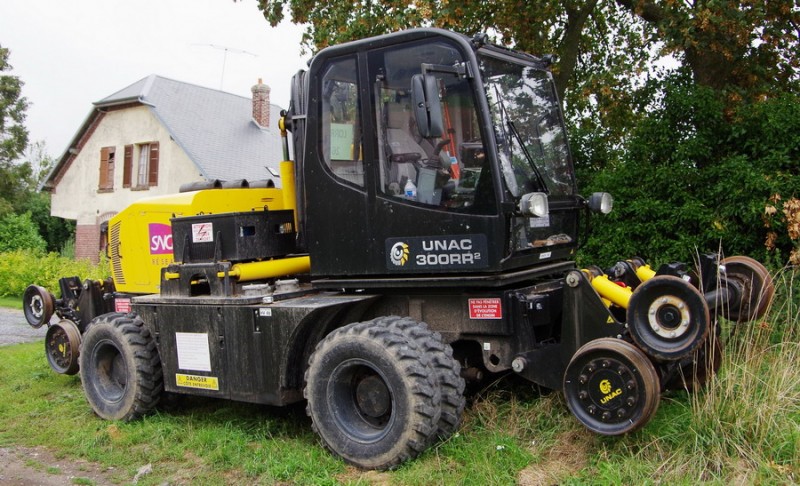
[[20, 268], [19, 232], [695, 175]]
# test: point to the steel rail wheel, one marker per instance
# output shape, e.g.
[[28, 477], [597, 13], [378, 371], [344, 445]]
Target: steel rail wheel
[[668, 318], [62, 345], [611, 387], [38, 306], [757, 288], [371, 395]]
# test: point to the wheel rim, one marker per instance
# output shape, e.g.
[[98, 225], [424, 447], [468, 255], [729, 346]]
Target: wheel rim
[[62, 346], [38, 306], [668, 318], [757, 288], [611, 387], [361, 402], [111, 371]]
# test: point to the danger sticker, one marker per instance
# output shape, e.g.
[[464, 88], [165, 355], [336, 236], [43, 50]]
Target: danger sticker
[[122, 305], [202, 232], [194, 381], [485, 309]]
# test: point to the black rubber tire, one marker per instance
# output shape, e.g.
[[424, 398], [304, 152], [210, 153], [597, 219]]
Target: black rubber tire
[[611, 387], [693, 372], [372, 397], [120, 367], [446, 368], [668, 318], [62, 345]]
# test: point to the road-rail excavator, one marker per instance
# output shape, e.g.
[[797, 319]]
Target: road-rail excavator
[[422, 237]]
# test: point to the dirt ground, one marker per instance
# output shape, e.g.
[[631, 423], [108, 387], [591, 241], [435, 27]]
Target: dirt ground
[[23, 466]]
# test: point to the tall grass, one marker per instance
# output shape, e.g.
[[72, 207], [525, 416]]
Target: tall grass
[[751, 412]]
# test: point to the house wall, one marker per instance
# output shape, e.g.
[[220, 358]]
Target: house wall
[[77, 195]]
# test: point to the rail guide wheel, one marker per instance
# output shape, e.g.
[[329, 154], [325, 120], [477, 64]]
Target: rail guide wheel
[[668, 318], [611, 387], [757, 288], [38, 306], [62, 345]]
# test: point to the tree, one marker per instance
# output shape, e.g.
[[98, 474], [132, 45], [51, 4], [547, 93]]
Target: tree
[[749, 47], [13, 135], [568, 28], [19, 232], [604, 46]]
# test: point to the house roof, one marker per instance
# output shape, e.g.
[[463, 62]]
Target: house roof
[[216, 129]]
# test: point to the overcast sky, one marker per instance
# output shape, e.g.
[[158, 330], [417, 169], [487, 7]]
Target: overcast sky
[[70, 53]]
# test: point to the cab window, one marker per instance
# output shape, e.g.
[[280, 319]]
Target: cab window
[[341, 124], [449, 170]]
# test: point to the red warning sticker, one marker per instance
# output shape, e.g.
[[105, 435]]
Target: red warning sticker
[[485, 309], [122, 305]]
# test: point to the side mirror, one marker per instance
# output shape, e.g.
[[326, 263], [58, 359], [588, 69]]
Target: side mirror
[[427, 107]]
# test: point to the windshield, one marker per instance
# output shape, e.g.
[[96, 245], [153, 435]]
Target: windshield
[[530, 137]]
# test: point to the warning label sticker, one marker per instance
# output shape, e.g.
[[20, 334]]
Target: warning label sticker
[[485, 309], [202, 232], [122, 305], [194, 381]]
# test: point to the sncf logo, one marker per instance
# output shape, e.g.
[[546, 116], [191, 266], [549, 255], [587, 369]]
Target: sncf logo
[[160, 239]]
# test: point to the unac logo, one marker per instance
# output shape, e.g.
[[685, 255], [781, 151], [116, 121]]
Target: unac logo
[[160, 239], [605, 387], [399, 253]]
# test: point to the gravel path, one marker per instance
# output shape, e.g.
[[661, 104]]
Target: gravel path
[[14, 329]]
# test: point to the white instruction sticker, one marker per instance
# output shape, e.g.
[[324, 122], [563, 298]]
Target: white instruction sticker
[[542, 222], [193, 352], [202, 232]]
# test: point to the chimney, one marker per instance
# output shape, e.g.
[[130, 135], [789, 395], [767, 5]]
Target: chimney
[[261, 104]]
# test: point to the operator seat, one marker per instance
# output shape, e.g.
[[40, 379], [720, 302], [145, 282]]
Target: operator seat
[[403, 151]]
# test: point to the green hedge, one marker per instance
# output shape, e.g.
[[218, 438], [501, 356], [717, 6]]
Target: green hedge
[[695, 175], [21, 268]]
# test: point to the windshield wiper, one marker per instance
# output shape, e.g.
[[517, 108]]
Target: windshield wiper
[[531, 162], [513, 129]]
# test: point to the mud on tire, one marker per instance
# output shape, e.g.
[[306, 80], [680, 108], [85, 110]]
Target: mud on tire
[[120, 367], [372, 397]]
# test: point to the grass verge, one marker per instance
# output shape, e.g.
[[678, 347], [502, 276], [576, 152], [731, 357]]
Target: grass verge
[[743, 428], [11, 302]]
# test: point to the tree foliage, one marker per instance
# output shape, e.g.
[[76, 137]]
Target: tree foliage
[[13, 135], [22, 169], [694, 177], [19, 232]]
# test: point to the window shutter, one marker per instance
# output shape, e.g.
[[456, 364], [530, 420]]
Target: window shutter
[[106, 168], [153, 166], [127, 166]]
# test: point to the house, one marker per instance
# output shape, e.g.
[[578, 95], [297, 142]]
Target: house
[[151, 138]]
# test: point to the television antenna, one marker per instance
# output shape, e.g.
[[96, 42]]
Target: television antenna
[[226, 50]]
